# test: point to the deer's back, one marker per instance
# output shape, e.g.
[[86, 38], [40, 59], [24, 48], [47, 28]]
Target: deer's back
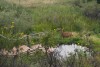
[[67, 34]]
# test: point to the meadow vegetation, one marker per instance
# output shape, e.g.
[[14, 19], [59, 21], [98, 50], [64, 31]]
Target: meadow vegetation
[[41, 19]]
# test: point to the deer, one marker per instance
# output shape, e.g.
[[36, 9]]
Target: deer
[[65, 34]]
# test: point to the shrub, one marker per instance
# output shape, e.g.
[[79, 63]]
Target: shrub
[[92, 10]]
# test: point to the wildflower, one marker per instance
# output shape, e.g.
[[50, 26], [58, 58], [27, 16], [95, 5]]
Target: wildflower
[[12, 26], [32, 42], [2, 32], [5, 27], [78, 43], [22, 34], [12, 22]]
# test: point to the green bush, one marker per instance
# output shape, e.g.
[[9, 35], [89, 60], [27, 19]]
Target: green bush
[[92, 10]]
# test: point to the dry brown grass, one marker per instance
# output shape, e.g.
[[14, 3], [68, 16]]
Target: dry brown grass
[[29, 3]]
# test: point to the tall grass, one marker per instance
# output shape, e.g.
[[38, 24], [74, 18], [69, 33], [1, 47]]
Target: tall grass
[[47, 18], [17, 21]]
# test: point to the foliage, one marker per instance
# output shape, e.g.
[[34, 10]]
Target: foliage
[[39, 59], [78, 16]]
